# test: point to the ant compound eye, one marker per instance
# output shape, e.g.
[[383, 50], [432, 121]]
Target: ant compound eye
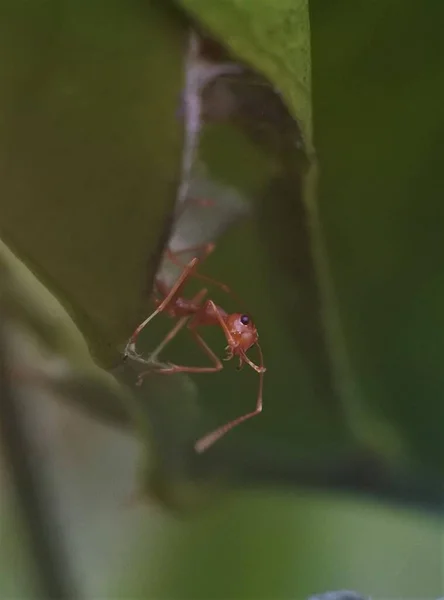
[[245, 319]]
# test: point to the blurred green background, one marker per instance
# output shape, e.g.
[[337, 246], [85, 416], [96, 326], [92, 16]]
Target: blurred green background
[[321, 156]]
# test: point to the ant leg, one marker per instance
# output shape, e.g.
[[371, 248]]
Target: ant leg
[[258, 369], [130, 348], [175, 330], [206, 249], [195, 321], [153, 356], [170, 370], [208, 440], [167, 339], [221, 323]]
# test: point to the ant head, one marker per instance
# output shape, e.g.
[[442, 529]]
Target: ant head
[[243, 332]]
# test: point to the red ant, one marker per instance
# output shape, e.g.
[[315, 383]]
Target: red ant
[[238, 328]]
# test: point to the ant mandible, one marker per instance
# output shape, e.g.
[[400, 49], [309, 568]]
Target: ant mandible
[[238, 328]]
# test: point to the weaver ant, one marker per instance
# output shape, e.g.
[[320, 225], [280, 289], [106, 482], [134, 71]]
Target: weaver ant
[[238, 328]]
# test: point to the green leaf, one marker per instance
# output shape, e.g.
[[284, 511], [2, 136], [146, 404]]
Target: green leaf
[[49, 333], [267, 544], [90, 151], [273, 37], [378, 96], [257, 145], [355, 264]]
